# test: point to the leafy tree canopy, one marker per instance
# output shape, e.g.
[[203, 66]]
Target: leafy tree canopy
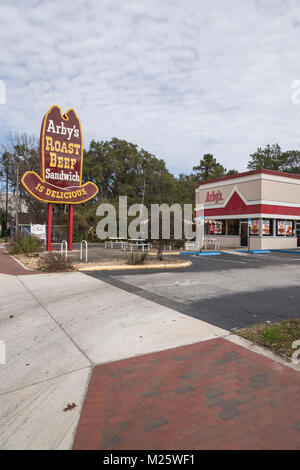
[[121, 168], [118, 168], [273, 158], [209, 169], [19, 156]]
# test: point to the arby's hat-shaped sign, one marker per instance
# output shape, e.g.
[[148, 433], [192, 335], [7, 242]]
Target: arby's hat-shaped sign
[[61, 161]]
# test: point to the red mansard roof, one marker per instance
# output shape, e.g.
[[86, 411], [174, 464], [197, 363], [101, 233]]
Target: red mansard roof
[[248, 173]]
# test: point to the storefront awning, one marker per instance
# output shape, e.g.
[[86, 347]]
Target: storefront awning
[[211, 221]]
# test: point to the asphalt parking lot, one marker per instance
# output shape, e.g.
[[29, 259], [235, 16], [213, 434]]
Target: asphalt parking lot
[[231, 291]]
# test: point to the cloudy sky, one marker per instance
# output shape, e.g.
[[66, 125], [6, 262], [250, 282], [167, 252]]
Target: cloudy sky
[[179, 78]]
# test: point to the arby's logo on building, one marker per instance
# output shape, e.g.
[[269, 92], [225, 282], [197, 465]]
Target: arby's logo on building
[[214, 196]]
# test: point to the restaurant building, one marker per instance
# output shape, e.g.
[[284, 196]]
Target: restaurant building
[[262, 205]]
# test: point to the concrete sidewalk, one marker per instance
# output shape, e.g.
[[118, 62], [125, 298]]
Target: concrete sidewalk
[[56, 328]]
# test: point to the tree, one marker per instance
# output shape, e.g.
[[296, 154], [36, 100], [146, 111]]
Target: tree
[[21, 151], [120, 168], [232, 172], [290, 161], [268, 158], [2, 223], [209, 168], [272, 158], [186, 188]]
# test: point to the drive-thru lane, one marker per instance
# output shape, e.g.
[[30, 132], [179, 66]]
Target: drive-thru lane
[[228, 290]]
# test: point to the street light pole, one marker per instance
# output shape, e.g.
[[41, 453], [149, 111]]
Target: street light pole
[[17, 198], [6, 206], [18, 158]]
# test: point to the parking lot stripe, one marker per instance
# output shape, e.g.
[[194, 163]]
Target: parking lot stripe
[[227, 260], [281, 258]]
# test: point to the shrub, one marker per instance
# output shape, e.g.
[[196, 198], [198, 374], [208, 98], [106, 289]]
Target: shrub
[[26, 244], [55, 262], [137, 258], [272, 335]]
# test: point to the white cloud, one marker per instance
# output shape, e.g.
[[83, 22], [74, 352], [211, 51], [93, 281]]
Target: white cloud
[[179, 78]]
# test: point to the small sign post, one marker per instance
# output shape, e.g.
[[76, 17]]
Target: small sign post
[[38, 231], [49, 227], [70, 231]]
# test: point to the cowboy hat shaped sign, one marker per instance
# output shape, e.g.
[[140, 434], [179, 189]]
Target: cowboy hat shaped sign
[[61, 159]]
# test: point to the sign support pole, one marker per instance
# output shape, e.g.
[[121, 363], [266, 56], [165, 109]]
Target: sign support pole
[[49, 227], [70, 228]]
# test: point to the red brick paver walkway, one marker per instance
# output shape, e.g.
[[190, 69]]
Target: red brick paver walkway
[[10, 266], [209, 395]]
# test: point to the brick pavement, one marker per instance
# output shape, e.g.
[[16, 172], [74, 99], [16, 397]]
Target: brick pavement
[[10, 266], [209, 395]]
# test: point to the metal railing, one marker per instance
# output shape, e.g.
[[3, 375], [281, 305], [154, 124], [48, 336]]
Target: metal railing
[[86, 250], [62, 245]]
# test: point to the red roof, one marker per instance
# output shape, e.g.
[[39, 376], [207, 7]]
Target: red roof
[[248, 173]]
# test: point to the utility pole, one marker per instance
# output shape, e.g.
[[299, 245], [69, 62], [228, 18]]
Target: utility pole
[[17, 199], [17, 160], [6, 206]]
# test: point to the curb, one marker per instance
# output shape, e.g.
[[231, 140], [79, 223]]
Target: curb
[[126, 266], [198, 253], [164, 253], [261, 350], [287, 251], [255, 252], [21, 264]]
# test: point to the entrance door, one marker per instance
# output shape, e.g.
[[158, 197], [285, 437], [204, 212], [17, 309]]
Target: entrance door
[[244, 233]]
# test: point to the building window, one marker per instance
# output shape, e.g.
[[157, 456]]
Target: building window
[[267, 227], [254, 227], [280, 228], [214, 227], [220, 228], [284, 228], [289, 228], [233, 227]]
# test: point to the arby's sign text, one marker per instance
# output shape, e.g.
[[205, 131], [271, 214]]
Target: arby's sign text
[[214, 196]]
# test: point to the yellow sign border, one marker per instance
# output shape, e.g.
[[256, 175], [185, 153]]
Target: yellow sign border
[[56, 202]]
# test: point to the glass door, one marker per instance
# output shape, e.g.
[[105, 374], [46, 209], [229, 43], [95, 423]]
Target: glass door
[[244, 233]]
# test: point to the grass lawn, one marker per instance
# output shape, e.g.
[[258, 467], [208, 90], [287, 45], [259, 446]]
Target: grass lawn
[[275, 336]]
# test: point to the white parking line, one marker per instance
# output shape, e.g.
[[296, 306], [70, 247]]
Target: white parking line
[[254, 256], [218, 258], [251, 258], [281, 258]]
